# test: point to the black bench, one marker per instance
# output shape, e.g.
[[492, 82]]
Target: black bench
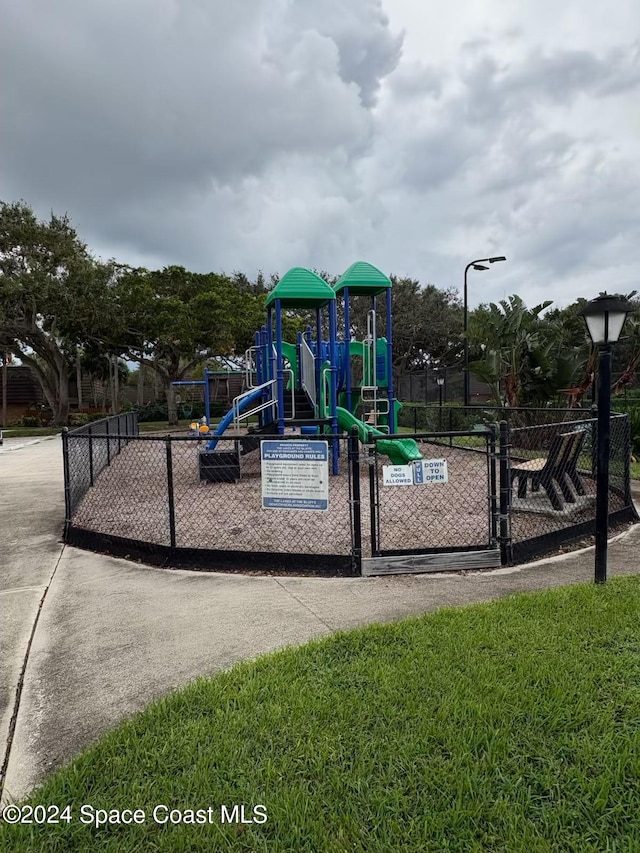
[[557, 471]]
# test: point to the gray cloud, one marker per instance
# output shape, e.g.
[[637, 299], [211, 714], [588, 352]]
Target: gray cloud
[[269, 133]]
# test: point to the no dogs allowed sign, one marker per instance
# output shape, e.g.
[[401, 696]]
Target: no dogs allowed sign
[[424, 472]]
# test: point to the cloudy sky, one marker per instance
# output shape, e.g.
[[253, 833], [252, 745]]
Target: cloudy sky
[[262, 134]]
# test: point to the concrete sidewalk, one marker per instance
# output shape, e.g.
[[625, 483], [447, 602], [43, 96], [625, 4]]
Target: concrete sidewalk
[[113, 635]]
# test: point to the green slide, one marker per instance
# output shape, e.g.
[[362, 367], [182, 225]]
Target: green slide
[[399, 450]]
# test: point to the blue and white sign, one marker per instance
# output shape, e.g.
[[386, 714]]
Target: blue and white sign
[[295, 475], [397, 475], [429, 471]]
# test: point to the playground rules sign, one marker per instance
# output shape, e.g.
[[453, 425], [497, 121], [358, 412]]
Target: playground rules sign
[[295, 475]]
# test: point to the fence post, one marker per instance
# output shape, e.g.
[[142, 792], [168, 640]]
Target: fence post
[[106, 426], [505, 494], [373, 508], [493, 497], [172, 511], [118, 433], [90, 455], [415, 419], [356, 515], [626, 450], [67, 485]]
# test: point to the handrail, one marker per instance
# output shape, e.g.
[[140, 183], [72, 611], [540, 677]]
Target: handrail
[[326, 390], [293, 393], [272, 402], [308, 372], [250, 366], [238, 415], [369, 355]]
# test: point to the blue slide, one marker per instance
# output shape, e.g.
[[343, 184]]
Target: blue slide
[[228, 418]]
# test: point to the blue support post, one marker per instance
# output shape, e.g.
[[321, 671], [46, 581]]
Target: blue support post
[[207, 397], [263, 351], [318, 355], [347, 340], [271, 359], [279, 370], [392, 409], [266, 416], [333, 357]]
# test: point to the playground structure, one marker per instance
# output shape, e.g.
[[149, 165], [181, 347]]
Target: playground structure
[[309, 385]]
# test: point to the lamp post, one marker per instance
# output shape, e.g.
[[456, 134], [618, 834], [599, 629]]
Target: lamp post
[[440, 381], [604, 316], [477, 265]]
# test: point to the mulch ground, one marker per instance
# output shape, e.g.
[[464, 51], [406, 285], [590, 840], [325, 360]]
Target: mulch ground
[[130, 499]]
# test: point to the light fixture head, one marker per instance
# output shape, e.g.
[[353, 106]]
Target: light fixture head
[[479, 267], [605, 316], [440, 380], [495, 260]]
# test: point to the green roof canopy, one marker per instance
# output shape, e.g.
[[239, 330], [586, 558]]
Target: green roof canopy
[[301, 288], [363, 278]]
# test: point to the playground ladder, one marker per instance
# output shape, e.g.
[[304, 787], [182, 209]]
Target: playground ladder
[[369, 389]]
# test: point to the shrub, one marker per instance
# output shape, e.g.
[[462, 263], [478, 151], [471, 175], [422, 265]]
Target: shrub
[[634, 425], [30, 421], [154, 411], [79, 419]]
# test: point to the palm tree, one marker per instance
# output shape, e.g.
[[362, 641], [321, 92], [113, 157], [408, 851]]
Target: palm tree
[[526, 360]]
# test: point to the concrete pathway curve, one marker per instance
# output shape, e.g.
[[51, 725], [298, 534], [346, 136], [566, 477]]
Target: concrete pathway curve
[[111, 635]]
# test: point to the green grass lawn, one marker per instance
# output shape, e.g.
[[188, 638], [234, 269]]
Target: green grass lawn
[[511, 726], [635, 470], [29, 432]]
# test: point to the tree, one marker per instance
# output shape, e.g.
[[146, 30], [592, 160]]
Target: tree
[[53, 292], [526, 360], [172, 320], [625, 355], [427, 323]]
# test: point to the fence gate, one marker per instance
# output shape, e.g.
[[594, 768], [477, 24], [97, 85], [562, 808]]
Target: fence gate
[[437, 514]]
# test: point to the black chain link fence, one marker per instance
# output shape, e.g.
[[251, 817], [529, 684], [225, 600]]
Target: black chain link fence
[[168, 500], [89, 449], [420, 418], [451, 503], [552, 482], [525, 489]]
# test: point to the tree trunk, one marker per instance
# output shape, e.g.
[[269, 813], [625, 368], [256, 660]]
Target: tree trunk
[[172, 408], [79, 380], [61, 411], [111, 390], [116, 386], [5, 360], [140, 392]]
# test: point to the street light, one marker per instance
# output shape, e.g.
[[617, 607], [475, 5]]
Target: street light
[[604, 316], [440, 381], [476, 265]]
